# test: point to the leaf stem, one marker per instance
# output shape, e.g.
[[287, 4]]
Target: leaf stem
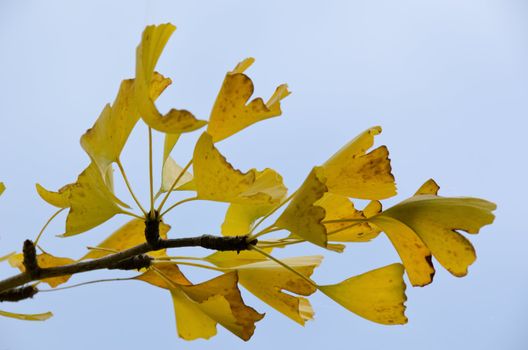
[[125, 178], [151, 176], [286, 266], [85, 283], [267, 230], [180, 175], [47, 223], [203, 266], [178, 203], [132, 214]]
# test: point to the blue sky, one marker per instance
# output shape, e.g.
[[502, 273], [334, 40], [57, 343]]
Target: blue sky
[[447, 80]]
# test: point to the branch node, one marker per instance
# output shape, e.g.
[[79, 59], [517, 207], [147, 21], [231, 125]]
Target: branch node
[[136, 262], [152, 235], [17, 294], [234, 243], [30, 259]]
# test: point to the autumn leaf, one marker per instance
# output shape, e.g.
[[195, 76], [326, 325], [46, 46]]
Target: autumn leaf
[[215, 179], [148, 52], [107, 137], [200, 307], [352, 172], [44, 260], [232, 112], [239, 218], [232, 259], [428, 224], [27, 317], [2, 188], [338, 208], [377, 295], [90, 200], [303, 217], [279, 287]]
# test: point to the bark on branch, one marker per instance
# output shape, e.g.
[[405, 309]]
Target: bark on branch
[[122, 259]]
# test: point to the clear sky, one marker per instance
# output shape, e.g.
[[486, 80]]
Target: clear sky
[[447, 80]]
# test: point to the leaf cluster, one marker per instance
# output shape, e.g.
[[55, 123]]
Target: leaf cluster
[[320, 212]]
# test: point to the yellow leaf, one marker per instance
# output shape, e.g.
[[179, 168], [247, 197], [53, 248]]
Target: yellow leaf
[[434, 221], [229, 259], [338, 207], [170, 272], [127, 236], [170, 172], [377, 295], [191, 322], [199, 307], [302, 217], [106, 139], [414, 254], [2, 188], [352, 172], [429, 187], [267, 280], [60, 199], [27, 317], [91, 202], [148, 52], [44, 260], [232, 112], [215, 179], [168, 144], [239, 218], [221, 300]]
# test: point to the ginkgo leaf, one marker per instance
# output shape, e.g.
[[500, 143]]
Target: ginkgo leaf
[[230, 259], [2, 188], [168, 144], [338, 207], [127, 236], [199, 307], [171, 171], [377, 295], [280, 288], [148, 52], [429, 187], [44, 260], [434, 221], [414, 254], [239, 218], [215, 179], [352, 172], [27, 317], [91, 202], [302, 217], [232, 112], [107, 137], [60, 199]]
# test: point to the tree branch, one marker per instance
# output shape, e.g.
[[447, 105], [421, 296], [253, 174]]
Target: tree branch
[[233, 243]]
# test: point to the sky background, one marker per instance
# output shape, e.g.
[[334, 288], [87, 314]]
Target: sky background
[[447, 80]]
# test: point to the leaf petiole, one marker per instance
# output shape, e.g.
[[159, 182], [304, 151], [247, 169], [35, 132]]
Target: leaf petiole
[[286, 266], [179, 203], [127, 183], [47, 223], [180, 175]]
